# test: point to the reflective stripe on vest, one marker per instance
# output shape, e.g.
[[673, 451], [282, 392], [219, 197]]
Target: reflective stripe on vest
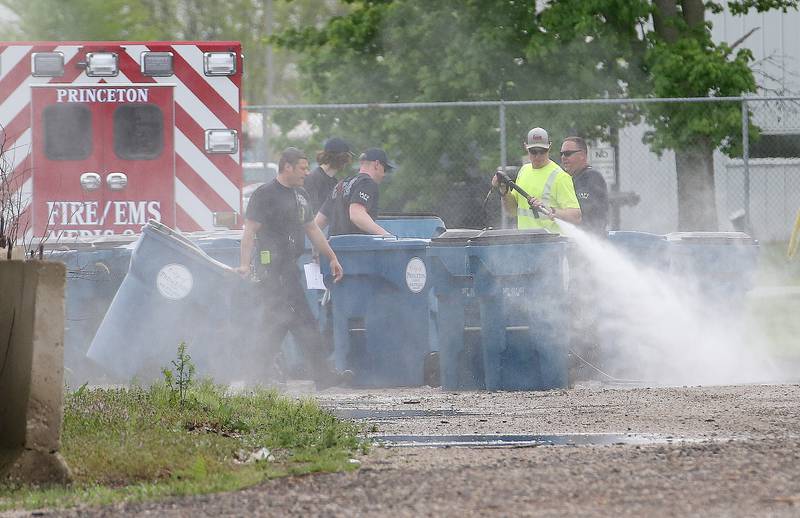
[[548, 186]]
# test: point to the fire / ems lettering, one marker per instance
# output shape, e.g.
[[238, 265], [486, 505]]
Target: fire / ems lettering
[[64, 213], [102, 95], [154, 210]]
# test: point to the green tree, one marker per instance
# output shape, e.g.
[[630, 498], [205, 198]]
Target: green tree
[[412, 50]]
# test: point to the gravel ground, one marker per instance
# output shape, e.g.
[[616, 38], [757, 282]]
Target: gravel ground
[[715, 451]]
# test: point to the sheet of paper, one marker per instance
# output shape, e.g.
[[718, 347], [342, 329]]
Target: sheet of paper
[[313, 277]]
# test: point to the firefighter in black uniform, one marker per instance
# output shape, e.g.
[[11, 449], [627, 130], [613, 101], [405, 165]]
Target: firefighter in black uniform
[[590, 187], [334, 157], [352, 207], [280, 217]]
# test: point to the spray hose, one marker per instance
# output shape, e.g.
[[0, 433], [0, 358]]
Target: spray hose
[[503, 179]]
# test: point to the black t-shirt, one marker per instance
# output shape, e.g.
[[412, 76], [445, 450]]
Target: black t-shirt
[[319, 186], [282, 212], [592, 193], [360, 189]]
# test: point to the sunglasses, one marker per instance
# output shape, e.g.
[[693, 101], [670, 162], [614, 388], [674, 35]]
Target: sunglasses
[[570, 153], [537, 151]]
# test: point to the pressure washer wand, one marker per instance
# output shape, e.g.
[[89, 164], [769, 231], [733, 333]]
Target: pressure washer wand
[[504, 179]]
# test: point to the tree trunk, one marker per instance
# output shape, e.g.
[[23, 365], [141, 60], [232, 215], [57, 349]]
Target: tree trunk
[[697, 207], [664, 17]]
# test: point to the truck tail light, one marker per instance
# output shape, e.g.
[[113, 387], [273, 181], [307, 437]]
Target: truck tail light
[[225, 219], [117, 181], [156, 64], [219, 63], [222, 141], [47, 64], [91, 181], [102, 64]]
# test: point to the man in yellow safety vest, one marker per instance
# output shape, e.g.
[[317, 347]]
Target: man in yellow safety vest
[[551, 190]]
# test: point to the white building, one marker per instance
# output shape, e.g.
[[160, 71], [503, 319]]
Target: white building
[[774, 165]]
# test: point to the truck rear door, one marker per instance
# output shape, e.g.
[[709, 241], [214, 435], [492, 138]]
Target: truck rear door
[[103, 158]]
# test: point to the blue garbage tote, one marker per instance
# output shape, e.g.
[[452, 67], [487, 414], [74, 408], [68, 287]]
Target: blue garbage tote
[[456, 313], [519, 280], [95, 270], [721, 264], [224, 245], [173, 293], [642, 248], [380, 309], [419, 225]]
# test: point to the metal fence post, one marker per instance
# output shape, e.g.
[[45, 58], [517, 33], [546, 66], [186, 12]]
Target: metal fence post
[[746, 162], [503, 157]]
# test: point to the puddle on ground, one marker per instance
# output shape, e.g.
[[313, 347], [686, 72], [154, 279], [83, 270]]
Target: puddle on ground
[[360, 413], [489, 441]]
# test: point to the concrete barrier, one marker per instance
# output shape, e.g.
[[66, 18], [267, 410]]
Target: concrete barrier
[[31, 371]]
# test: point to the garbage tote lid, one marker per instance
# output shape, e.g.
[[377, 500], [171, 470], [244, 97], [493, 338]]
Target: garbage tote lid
[[364, 242], [514, 236], [456, 237], [712, 238]]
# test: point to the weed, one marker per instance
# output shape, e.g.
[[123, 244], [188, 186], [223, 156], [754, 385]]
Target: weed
[[181, 381]]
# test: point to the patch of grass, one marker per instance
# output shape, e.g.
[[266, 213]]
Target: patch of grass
[[145, 443]]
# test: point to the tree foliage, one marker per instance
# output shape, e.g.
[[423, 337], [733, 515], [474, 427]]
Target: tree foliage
[[411, 50]]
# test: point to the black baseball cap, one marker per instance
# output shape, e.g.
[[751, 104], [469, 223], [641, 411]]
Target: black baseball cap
[[379, 155], [337, 145]]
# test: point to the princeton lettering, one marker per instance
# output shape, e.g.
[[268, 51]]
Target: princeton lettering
[[102, 95]]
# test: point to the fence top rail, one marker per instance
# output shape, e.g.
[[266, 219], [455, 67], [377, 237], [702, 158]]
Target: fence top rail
[[536, 102]]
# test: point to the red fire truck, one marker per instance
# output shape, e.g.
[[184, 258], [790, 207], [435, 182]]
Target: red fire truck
[[103, 136]]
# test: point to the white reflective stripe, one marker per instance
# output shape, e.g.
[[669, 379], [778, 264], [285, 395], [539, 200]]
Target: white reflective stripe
[[10, 57], [192, 205], [27, 194], [186, 99], [206, 169], [23, 194], [548, 187], [20, 98], [221, 84], [17, 152]]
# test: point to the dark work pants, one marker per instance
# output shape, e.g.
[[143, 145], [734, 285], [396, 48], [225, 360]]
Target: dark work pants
[[286, 310]]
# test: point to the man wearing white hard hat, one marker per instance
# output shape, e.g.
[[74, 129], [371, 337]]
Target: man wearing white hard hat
[[551, 190]]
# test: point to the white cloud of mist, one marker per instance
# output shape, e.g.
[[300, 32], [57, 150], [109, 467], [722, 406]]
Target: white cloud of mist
[[663, 328]]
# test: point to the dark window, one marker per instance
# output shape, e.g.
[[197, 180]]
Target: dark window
[[775, 146], [138, 132], [67, 132]]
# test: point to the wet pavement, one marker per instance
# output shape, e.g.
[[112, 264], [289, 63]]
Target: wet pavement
[[514, 441]]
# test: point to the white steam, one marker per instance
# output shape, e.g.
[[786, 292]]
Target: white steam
[[658, 327]]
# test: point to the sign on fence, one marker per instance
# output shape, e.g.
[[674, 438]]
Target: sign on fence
[[602, 159]]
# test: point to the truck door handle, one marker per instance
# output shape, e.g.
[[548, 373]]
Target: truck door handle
[[116, 181], [91, 181]]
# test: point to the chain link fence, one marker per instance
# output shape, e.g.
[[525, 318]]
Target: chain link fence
[[447, 153]]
